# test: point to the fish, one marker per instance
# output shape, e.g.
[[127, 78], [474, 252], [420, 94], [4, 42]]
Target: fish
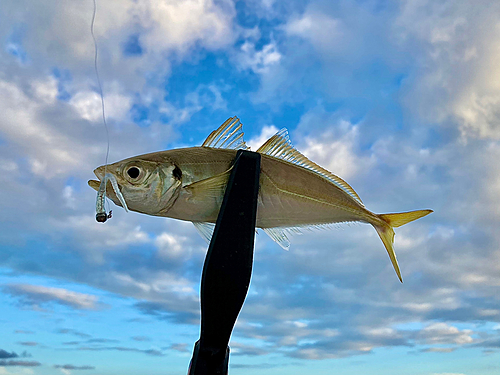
[[294, 192]]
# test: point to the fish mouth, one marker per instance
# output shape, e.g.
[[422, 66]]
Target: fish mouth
[[102, 189], [99, 172], [94, 184]]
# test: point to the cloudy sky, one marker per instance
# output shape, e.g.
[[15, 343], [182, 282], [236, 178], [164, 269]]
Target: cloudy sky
[[399, 98]]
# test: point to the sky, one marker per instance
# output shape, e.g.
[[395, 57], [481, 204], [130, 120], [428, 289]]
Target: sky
[[399, 98]]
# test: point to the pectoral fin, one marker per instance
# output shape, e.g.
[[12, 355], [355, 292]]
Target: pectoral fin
[[212, 187]]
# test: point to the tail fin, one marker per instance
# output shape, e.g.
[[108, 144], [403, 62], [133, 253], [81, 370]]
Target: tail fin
[[386, 233]]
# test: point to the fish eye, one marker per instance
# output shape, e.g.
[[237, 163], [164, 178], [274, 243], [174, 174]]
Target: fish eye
[[133, 172]]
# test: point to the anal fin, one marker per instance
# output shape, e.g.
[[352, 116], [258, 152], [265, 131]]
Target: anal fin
[[279, 236], [206, 230]]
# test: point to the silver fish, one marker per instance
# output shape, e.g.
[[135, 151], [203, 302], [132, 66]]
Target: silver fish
[[294, 193]]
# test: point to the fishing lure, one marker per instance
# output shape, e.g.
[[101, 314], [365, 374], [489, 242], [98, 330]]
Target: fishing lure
[[101, 216]]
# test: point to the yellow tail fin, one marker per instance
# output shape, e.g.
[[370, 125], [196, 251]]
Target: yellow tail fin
[[386, 233], [396, 220]]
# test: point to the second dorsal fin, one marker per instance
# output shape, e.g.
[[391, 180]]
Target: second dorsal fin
[[279, 146], [228, 135]]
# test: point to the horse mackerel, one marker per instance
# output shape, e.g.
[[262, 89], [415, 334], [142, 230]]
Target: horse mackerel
[[189, 184]]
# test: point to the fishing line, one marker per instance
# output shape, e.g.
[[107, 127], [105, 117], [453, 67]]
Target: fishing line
[[99, 215]]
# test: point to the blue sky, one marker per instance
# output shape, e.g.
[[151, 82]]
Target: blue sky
[[399, 98]]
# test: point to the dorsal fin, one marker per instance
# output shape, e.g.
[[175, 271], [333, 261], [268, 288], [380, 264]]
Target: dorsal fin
[[279, 146], [229, 135]]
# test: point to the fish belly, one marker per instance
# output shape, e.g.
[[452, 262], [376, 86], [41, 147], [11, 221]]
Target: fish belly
[[281, 211]]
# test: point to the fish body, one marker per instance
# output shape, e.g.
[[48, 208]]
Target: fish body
[[189, 184]]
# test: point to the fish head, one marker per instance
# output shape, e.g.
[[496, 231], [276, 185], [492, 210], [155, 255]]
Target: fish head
[[148, 186]]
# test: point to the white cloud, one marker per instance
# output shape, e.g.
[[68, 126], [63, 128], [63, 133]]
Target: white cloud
[[446, 50], [157, 286], [173, 24], [267, 132], [49, 150], [17, 371], [322, 30], [259, 61], [204, 96], [336, 155], [57, 138], [97, 239], [170, 246], [38, 294], [69, 196], [442, 333], [439, 350], [384, 331], [45, 90], [166, 30], [127, 281], [8, 165], [331, 143], [163, 25], [88, 105], [458, 76]]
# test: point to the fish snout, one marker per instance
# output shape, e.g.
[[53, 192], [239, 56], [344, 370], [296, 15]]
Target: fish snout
[[99, 172]]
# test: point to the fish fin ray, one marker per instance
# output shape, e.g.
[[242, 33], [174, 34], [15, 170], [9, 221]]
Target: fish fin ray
[[402, 218], [280, 146], [206, 230], [386, 234], [279, 236], [210, 187], [229, 135]]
